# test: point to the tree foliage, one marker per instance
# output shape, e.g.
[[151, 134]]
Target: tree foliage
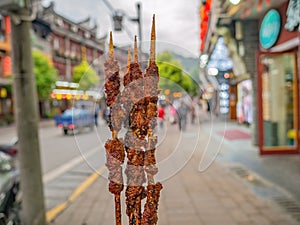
[[194, 72], [45, 75], [85, 76], [172, 75]]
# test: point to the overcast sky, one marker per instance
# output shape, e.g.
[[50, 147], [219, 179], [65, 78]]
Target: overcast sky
[[177, 21]]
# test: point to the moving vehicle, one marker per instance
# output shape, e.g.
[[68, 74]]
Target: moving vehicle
[[10, 197], [75, 119]]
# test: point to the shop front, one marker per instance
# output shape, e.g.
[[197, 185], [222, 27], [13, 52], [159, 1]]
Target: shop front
[[278, 81], [67, 95]]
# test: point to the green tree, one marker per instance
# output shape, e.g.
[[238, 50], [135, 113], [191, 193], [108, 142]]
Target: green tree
[[45, 75], [85, 76], [194, 72], [189, 84], [172, 75]]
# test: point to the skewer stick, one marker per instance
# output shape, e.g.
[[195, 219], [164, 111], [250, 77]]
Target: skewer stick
[[135, 53], [118, 215], [153, 190], [114, 134], [138, 207], [140, 129], [111, 46], [138, 210], [150, 177], [135, 213], [128, 60], [152, 60], [127, 80], [153, 39]]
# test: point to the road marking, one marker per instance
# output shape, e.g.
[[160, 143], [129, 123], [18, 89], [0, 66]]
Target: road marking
[[51, 214], [91, 179], [54, 212], [67, 166]]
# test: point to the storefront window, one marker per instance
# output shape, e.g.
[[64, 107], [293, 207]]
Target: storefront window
[[279, 101]]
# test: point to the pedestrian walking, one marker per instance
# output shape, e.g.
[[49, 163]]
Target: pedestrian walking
[[172, 117], [96, 115], [193, 112], [161, 116], [182, 114]]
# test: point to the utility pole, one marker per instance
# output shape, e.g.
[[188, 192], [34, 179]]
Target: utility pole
[[139, 22], [26, 113]]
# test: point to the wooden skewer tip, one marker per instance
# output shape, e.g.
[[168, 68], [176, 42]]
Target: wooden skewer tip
[[153, 39], [135, 49], [128, 60], [111, 45], [114, 134]]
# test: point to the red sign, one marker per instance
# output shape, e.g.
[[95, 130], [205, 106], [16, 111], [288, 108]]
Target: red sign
[[204, 17], [7, 25], [6, 66]]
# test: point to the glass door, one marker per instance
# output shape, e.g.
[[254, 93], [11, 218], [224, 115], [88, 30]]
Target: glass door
[[278, 103]]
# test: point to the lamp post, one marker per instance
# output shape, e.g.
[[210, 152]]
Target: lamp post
[[138, 20]]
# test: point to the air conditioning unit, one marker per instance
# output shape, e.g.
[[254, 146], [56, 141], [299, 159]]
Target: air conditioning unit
[[12, 4]]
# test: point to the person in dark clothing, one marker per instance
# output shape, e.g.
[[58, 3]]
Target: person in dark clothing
[[182, 115], [96, 116]]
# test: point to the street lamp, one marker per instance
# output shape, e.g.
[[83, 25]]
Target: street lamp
[[117, 17], [118, 21]]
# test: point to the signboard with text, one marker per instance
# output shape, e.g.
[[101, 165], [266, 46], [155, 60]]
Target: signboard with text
[[270, 29]]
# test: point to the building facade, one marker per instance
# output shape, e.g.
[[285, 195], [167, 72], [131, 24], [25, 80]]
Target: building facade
[[67, 41], [278, 79], [39, 34], [263, 40], [5, 70], [61, 40]]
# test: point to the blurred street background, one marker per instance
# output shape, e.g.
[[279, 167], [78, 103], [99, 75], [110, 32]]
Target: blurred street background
[[228, 120]]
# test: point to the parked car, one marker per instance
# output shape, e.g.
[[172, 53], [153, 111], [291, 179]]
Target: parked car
[[75, 119], [10, 148], [10, 197]]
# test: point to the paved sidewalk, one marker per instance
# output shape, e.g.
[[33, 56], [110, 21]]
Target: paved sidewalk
[[216, 196]]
